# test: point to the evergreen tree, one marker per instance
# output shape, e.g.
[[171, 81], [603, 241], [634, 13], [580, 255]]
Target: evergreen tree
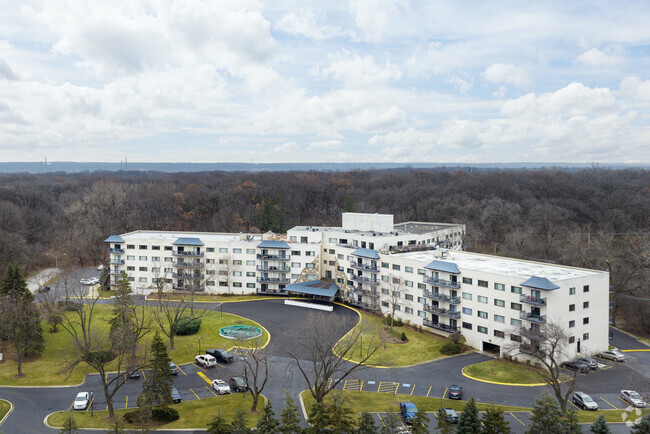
[[219, 426], [122, 308], [493, 421], [546, 417], [643, 427], [420, 423], [69, 426], [239, 422], [444, 425], [391, 423], [349, 205], [600, 426], [340, 416], [469, 422], [290, 420], [144, 412], [268, 423], [570, 423], [157, 386], [318, 418], [367, 424], [14, 285]]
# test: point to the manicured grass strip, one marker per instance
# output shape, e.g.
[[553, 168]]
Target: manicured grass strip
[[386, 402], [610, 415], [206, 298], [421, 346], [50, 368], [4, 408], [193, 414], [502, 371]]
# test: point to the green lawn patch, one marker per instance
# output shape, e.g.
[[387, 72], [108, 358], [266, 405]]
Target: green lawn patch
[[49, 369], [193, 414], [503, 371], [419, 347], [610, 415], [208, 298], [4, 408]]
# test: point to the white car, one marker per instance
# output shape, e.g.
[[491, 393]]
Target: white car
[[206, 360], [85, 281], [614, 355], [220, 386], [93, 281], [632, 398], [81, 401], [101, 267]]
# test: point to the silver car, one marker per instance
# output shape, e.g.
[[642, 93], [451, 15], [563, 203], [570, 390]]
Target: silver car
[[633, 398], [584, 401], [614, 355]]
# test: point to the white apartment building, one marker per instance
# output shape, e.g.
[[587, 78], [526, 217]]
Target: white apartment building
[[419, 267]]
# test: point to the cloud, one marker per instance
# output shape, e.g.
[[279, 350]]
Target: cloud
[[287, 147], [6, 71], [325, 145], [635, 88], [378, 18], [355, 70], [598, 58], [304, 24], [463, 86], [501, 73]]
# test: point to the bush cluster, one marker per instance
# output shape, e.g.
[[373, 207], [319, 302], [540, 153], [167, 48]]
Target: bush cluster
[[188, 326], [396, 322], [165, 414], [449, 349]]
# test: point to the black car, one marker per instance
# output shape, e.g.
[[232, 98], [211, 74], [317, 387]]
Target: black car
[[577, 366], [456, 392], [43, 289], [173, 369], [589, 362], [238, 384], [222, 356]]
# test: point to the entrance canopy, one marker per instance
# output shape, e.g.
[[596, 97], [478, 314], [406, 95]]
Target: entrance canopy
[[314, 287]]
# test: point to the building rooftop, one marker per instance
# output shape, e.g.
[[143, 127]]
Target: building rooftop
[[415, 228], [170, 237], [501, 265], [422, 227]]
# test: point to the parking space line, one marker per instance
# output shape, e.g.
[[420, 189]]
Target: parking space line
[[127, 401], [578, 408], [70, 408], [429, 391], [89, 404], [205, 377], [211, 391], [179, 368], [143, 375], [623, 401], [345, 383], [513, 415], [400, 421], [444, 393], [613, 406], [380, 419], [354, 385], [388, 387], [412, 390], [197, 396]]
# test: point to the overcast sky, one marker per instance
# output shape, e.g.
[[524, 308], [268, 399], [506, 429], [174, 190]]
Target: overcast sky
[[325, 81]]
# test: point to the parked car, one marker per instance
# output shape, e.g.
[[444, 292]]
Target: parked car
[[237, 384], [407, 411], [222, 356], [85, 281], [206, 360], [176, 397], [575, 365], [82, 400], [43, 289], [135, 374], [455, 392], [593, 364], [220, 386], [614, 355], [173, 369], [584, 401], [101, 267], [93, 281], [633, 398], [448, 413]]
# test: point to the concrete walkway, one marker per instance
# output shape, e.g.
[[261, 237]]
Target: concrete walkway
[[41, 278]]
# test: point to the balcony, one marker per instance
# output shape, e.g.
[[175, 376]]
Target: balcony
[[441, 297], [274, 257], [273, 268], [188, 264], [369, 293], [526, 349], [439, 282], [362, 279], [529, 299], [187, 288], [116, 251], [364, 267], [189, 254], [540, 319], [115, 272], [116, 261], [190, 276], [279, 280], [363, 305], [439, 326], [532, 334], [444, 312]]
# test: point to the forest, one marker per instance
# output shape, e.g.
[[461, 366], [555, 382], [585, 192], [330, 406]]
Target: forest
[[596, 218]]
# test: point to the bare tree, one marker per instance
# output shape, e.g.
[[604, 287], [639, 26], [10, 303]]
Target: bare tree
[[256, 367], [322, 358], [51, 309], [226, 268], [394, 288], [168, 315]]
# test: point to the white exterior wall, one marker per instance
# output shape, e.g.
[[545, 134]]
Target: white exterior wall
[[367, 222]]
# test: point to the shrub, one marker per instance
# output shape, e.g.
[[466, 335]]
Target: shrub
[[403, 338], [457, 338], [131, 416], [165, 414], [449, 349], [188, 326], [396, 322]]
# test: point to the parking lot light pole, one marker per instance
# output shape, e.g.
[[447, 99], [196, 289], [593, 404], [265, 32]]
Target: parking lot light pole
[[361, 345], [199, 344], [56, 258]]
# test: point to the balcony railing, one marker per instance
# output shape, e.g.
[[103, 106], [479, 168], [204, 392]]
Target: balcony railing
[[115, 250], [115, 272], [189, 254], [364, 305], [362, 279], [441, 297], [440, 282], [529, 299], [280, 280], [541, 319], [116, 261], [187, 288], [274, 257], [364, 267], [532, 334], [273, 268], [526, 349], [439, 326], [188, 264], [444, 312], [369, 293], [187, 276]]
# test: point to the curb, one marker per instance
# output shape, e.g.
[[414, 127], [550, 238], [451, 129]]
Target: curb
[[11, 409], [2, 386], [302, 407], [630, 335], [501, 384]]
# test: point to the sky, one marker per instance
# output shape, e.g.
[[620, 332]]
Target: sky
[[325, 81]]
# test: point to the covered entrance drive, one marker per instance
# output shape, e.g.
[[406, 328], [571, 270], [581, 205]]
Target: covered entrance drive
[[491, 348], [320, 294]]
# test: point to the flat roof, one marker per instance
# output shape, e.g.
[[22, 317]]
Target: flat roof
[[412, 228], [203, 236], [501, 265], [421, 228]]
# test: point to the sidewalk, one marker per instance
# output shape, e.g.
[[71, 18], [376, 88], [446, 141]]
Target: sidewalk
[[41, 278]]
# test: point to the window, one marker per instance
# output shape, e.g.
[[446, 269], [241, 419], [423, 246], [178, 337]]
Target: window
[[142, 280], [155, 247], [250, 262], [467, 325], [467, 296], [209, 249], [310, 253], [130, 258], [515, 289], [408, 297], [572, 307], [129, 268], [585, 336], [223, 262], [483, 283], [408, 283], [155, 258], [396, 267], [499, 334], [408, 310], [499, 286], [295, 253], [422, 272], [169, 248], [236, 273], [250, 251], [293, 238], [515, 338], [384, 265], [236, 250], [142, 247], [210, 272], [467, 280], [408, 269], [223, 250], [396, 280], [422, 300], [295, 276], [250, 285], [142, 258], [422, 314], [585, 305], [499, 318], [295, 264], [385, 304], [585, 288], [572, 291], [155, 270], [482, 329], [572, 339], [310, 265], [333, 240], [515, 322], [422, 286], [130, 246], [167, 259], [250, 274], [384, 291], [236, 284], [482, 299], [500, 303], [467, 311], [585, 320], [236, 262], [332, 252], [209, 261], [482, 314], [397, 294], [572, 323], [142, 268]]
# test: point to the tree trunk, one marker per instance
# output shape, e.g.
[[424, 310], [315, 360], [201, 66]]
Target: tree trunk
[[109, 398], [19, 360], [171, 337], [256, 398]]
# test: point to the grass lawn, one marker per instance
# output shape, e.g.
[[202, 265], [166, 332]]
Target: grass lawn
[[387, 402], [420, 346], [49, 369], [502, 371], [209, 298], [193, 414], [4, 408], [610, 415]]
